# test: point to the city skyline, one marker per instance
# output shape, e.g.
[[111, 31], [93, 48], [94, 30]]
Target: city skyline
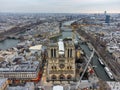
[[60, 6]]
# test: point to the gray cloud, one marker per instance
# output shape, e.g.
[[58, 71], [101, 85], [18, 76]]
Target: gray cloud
[[63, 6]]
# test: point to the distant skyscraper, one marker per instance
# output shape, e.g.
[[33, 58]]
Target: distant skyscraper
[[107, 19], [105, 12]]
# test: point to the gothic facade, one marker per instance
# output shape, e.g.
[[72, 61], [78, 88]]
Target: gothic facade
[[61, 61]]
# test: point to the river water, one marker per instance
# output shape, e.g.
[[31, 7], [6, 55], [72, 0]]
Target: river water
[[8, 43], [99, 69]]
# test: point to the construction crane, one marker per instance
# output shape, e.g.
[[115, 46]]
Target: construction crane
[[77, 86]]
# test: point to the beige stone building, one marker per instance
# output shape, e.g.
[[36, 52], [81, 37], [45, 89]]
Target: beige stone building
[[61, 61], [23, 72], [3, 83], [116, 56]]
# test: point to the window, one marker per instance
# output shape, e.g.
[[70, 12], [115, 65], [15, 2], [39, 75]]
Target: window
[[69, 67], [53, 67], [70, 52], [62, 66], [54, 52], [51, 52]]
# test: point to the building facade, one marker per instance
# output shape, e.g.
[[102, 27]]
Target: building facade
[[22, 72], [107, 19], [3, 83], [61, 61]]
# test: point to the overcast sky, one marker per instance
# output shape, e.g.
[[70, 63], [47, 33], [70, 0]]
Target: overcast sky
[[60, 6]]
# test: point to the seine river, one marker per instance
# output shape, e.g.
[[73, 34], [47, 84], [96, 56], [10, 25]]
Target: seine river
[[8, 43]]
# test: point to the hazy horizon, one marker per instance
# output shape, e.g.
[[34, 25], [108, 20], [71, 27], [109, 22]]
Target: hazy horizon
[[59, 6]]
